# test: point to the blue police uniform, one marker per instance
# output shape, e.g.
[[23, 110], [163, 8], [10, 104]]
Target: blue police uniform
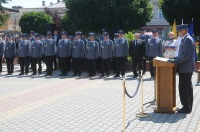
[[49, 53], [106, 53], [92, 53], [78, 52], [36, 54], [10, 52], [120, 53], [23, 53]]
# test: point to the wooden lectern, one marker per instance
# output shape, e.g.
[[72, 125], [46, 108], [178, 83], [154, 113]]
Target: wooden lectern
[[165, 85]]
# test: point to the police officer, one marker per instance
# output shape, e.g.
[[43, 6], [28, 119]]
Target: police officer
[[64, 53], [92, 53], [137, 52], [10, 52], [31, 39], [105, 53], [120, 53], [78, 51], [185, 67], [36, 54], [154, 49], [1, 53], [23, 53], [49, 52]]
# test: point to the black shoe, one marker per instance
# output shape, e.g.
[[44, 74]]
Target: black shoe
[[183, 110], [74, 75], [89, 76], [135, 76], [8, 74], [33, 74], [54, 68], [46, 75], [79, 75], [102, 75], [21, 74], [123, 75], [116, 75]]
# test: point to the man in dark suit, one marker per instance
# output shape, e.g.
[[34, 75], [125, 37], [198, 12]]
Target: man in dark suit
[[185, 67], [137, 53]]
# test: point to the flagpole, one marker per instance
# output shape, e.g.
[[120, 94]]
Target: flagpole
[[182, 21]]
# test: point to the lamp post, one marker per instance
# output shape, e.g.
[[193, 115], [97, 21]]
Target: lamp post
[[15, 18]]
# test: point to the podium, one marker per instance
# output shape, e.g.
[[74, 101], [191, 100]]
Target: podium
[[165, 85]]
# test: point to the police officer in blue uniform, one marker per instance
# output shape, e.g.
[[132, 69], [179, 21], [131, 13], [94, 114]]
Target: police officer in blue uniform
[[185, 66], [106, 53], [120, 53], [154, 49], [23, 53], [56, 37], [64, 53], [78, 52], [10, 52], [49, 52], [92, 53], [1, 53], [36, 54]]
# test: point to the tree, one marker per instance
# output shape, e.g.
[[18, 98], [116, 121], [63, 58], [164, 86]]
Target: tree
[[93, 15], [3, 17], [182, 9], [35, 21], [68, 25]]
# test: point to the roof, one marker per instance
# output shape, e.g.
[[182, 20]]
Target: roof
[[10, 9], [57, 5]]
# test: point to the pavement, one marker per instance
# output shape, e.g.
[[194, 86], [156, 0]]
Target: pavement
[[68, 104]]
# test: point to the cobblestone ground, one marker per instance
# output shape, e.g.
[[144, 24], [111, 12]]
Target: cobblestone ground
[[68, 104]]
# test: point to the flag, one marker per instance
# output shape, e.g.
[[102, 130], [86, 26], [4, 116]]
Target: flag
[[174, 29], [191, 32], [191, 29]]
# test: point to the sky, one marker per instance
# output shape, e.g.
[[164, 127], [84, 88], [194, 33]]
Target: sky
[[28, 3]]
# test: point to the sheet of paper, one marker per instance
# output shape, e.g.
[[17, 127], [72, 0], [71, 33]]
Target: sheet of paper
[[162, 59]]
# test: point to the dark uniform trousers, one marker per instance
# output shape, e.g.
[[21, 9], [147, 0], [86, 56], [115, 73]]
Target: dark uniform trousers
[[64, 61], [91, 67], [10, 65], [137, 66], [49, 64], [186, 90], [77, 65], [55, 61], [105, 66], [151, 68], [120, 65], [36, 61], [24, 64], [0, 63]]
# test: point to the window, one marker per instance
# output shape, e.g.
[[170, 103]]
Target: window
[[160, 14]]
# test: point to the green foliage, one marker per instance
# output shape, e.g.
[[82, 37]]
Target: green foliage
[[35, 21], [3, 18], [93, 15], [68, 25], [3, 2], [182, 9], [129, 36]]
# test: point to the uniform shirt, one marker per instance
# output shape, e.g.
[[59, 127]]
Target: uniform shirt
[[10, 49], [185, 59], [49, 47], [23, 49], [1, 48], [78, 48], [154, 47], [64, 48], [106, 49], [92, 50], [121, 47], [36, 49]]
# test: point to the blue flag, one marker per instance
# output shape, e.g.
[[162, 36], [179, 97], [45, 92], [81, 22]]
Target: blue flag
[[191, 32]]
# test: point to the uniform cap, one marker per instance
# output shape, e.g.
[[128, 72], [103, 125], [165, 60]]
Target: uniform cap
[[49, 33], [180, 27], [116, 34], [104, 30], [91, 34], [121, 31], [63, 33], [105, 33], [78, 33], [154, 31], [36, 35]]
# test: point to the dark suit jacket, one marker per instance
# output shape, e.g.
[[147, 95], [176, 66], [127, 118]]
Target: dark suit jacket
[[137, 51], [185, 60]]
